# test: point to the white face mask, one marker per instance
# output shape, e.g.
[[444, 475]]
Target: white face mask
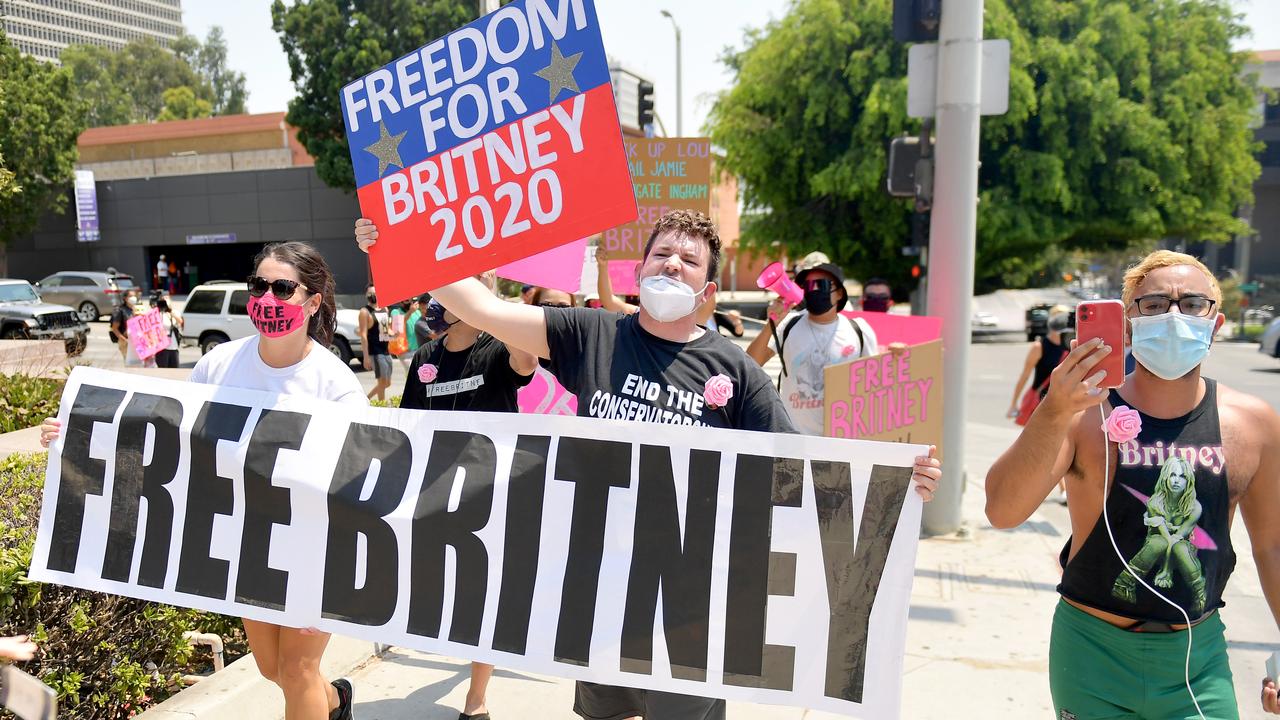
[[667, 299], [1171, 344]]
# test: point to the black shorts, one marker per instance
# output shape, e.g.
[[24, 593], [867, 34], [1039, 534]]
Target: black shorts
[[608, 702]]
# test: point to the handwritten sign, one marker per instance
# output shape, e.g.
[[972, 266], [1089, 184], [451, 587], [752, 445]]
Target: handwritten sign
[[890, 397], [491, 144], [544, 395], [147, 334], [669, 174]]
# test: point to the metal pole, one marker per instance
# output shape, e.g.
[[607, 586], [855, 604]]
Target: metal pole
[[952, 237], [679, 79]]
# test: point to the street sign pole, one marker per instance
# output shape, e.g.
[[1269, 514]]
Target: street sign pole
[[953, 236]]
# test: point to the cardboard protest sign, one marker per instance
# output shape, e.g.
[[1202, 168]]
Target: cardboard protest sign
[[544, 395], [493, 143], [887, 397], [761, 567], [669, 174], [559, 268], [147, 334], [894, 328]]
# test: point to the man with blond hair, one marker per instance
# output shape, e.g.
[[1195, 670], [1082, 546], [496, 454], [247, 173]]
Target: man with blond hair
[[1143, 575]]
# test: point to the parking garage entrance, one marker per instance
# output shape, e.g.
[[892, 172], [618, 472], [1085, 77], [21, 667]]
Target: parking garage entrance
[[201, 263]]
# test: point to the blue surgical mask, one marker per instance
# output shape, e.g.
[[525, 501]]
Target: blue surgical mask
[[1171, 344]]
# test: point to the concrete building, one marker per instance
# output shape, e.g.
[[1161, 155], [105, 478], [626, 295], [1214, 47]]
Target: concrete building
[[44, 28]]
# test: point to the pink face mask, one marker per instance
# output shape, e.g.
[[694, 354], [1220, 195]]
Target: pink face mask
[[274, 317]]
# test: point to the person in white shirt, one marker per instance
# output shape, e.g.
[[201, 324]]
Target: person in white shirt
[[289, 356], [809, 340]]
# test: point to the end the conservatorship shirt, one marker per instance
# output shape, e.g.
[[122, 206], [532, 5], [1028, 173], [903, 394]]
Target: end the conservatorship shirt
[[619, 371]]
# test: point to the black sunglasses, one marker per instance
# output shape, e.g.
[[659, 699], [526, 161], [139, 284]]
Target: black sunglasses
[[548, 303], [282, 289]]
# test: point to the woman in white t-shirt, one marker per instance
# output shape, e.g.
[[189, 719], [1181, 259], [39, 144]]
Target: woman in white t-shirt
[[291, 304]]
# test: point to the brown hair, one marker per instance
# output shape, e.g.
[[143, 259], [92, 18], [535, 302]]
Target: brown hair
[[539, 292], [695, 225], [315, 276]]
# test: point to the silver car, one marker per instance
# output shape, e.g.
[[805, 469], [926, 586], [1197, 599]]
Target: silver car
[[91, 294], [1269, 343]]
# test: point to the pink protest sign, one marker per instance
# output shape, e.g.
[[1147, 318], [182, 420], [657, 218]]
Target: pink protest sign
[[906, 329], [544, 395], [147, 335], [622, 273], [559, 268]]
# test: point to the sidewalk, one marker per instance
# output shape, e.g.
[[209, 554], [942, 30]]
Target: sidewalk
[[977, 643]]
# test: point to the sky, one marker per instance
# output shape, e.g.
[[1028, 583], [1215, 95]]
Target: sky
[[635, 34]]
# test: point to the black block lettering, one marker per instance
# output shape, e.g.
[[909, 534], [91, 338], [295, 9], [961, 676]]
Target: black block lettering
[[208, 494], [79, 475], [521, 542], [349, 517], [133, 481], [594, 466], [682, 565], [435, 528], [266, 505]]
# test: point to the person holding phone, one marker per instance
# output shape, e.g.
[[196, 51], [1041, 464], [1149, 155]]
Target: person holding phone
[[1160, 465]]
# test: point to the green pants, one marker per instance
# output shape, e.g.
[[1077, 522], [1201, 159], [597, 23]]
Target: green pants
[[1100, 672]]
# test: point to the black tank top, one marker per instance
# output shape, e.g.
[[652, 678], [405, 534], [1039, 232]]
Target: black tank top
[[1168, 508], [372, 343], [1050, 355]]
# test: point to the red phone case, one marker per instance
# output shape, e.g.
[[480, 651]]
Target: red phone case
[[1104, 319]]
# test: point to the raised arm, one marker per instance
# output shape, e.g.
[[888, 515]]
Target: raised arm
[[604, 286], [522, 327], [760, 349], [1023, 476]]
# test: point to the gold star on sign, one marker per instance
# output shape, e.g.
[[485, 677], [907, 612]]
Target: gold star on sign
[[387, 149], [559, 74]]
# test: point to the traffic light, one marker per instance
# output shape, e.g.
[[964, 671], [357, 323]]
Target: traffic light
[[644, 104], [916, 20]]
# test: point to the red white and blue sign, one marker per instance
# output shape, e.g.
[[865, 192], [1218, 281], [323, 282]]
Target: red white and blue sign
[[491, 144]]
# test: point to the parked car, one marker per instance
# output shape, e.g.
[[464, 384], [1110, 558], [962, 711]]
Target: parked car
[[217, 312], [1269, 343], [23, 316], [1037, 320], [92, 294], [983, 323]]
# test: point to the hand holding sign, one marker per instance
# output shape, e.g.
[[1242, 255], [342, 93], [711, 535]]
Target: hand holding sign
[[489, 145]]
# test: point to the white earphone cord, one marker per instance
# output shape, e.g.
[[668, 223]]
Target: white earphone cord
[[1106, 494]]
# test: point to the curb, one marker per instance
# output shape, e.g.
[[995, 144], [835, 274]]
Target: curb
[[239, 686]]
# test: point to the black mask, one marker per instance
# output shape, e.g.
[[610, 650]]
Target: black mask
[[876, 304], [372, 298], [817, 297], [435, 318]]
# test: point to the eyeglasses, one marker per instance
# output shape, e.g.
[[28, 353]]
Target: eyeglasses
[[548, 303], [282, 289], [1193, 305]]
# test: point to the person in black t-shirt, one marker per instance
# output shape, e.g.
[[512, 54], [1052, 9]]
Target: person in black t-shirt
[[466, 369], [657, 365]]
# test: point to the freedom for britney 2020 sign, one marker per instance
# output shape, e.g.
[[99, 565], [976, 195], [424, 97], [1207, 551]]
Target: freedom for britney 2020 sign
[[488, 145]]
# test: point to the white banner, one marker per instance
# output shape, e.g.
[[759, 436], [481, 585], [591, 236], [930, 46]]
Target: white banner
[[758, 567]]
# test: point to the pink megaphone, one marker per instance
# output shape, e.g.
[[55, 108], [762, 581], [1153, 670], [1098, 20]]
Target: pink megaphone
[[775, 278]]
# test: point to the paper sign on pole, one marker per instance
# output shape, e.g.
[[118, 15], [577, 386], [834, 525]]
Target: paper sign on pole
[[491, 144], [890, 397], [147, 334], [669, 174]]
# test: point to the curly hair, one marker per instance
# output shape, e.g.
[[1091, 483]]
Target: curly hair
[[693, 224]]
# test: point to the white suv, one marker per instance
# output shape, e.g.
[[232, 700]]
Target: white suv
[[217, 312]]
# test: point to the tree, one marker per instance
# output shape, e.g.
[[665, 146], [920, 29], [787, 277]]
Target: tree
[[1128, 120], [128, 85], [181, 103], [331, 42], [41, 121]]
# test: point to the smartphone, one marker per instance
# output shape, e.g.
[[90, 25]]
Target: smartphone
[[1272, 663], [1104, 319]]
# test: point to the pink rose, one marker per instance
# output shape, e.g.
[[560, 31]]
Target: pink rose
[[1123, 424], [847, 351], [718, 390], [427, 373]]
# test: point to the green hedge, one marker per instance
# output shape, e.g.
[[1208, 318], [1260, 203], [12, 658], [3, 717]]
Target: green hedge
[[106, 656], [25, 401]]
